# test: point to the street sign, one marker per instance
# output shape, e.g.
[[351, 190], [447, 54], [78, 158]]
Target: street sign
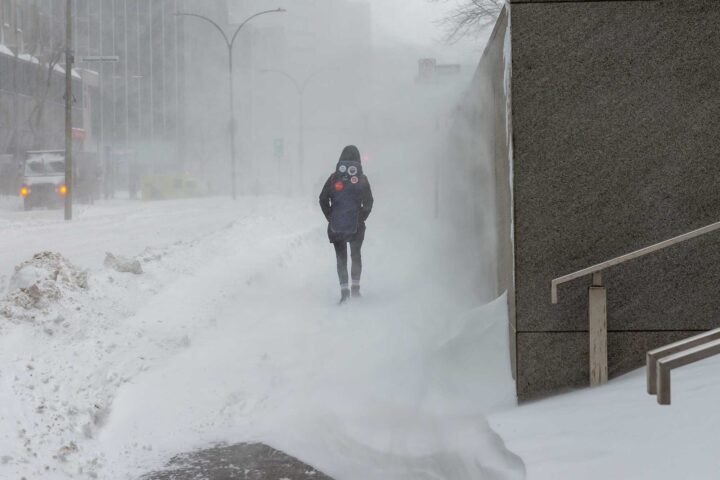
[[100, 58], [79, 134], [279, 148]]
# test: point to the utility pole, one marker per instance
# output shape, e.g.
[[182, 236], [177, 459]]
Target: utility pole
[[138, 73], [68, 112], [116, 133], [164, 67], [151, 25], [301, 136], [176, 41], [126, 62], [101, 87]]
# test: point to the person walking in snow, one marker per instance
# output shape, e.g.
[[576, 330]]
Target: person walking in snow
[[346, 201]]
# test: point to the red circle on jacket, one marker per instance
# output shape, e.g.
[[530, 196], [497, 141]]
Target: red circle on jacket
[[339, 186]]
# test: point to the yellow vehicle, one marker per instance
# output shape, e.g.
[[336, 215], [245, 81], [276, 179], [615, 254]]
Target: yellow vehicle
[[167, 186]]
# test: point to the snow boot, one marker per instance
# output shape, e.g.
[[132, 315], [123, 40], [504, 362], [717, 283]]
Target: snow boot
[[356, 291], [344, 296]]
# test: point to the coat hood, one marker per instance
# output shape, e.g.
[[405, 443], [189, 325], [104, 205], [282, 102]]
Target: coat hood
[[350, 154]]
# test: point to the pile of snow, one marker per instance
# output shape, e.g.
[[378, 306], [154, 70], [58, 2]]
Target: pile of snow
[[123, 264], [72, 341], [62, 361], [41, 283], [619, 431], [26, 57], [369, 391]]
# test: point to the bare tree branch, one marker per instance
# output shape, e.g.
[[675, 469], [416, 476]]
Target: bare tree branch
[[468, 17], [48, 47]]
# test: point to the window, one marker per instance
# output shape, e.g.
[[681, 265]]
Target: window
[[57, 166], [6, 66], [45, 164], [19, 17], [5, 13]]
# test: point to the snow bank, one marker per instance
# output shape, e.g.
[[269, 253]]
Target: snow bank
[[393, 387], [26, 57], [473, 358], [40, 284], [619, 431], [122, 264], [62, 367], [60, 370], [416, 411]]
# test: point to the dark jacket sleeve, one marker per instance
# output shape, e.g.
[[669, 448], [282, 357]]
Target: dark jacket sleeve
[[325, 197], [367, 201]]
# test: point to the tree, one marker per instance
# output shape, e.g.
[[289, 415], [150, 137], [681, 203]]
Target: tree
[[33, 118], [468, 17], [47, 45]]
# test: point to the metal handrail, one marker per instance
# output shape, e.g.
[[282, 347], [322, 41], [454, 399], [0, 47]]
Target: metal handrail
[[661, 360], [667, 364], [595, 269]]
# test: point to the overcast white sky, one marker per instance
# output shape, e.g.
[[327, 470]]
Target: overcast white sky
[[413, 21]]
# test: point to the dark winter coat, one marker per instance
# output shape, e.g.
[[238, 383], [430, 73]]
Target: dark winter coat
[[346, 199]]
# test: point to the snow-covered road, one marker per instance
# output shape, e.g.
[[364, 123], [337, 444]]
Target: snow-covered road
[[119, 226], [232, 334]]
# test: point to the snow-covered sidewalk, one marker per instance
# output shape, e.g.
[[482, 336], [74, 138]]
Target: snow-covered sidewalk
[[232, 334], [618, 431]]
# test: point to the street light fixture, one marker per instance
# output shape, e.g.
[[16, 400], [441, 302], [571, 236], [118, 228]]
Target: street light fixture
[[230, 43], [300, 87]]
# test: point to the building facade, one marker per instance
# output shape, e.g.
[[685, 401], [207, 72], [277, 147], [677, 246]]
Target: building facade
[[32, 85], [163, 105], [141, 95], [612, 111], [132, 107]]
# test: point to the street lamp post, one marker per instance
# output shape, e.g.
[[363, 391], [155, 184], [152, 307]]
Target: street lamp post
[[300, 87], [230, 43]]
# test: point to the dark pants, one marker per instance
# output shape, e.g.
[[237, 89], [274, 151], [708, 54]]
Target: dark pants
[[342, 262]]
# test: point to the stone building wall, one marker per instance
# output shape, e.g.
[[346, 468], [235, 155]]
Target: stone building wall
[[476, 157], [615, 116]]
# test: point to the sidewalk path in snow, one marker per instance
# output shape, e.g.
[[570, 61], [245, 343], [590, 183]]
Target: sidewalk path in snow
[[243, 461]]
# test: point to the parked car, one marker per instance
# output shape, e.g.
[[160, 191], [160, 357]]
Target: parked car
[[43, 183]]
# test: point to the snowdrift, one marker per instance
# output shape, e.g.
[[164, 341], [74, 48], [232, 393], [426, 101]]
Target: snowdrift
[[42, 284]]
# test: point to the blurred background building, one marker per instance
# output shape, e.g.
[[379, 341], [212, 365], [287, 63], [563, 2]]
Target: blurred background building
[[141, 103], [163, 105], [305, 70], [32, 109]]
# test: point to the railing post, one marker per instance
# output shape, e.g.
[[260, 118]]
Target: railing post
[[663, 385], [597, 313], [651, 373]]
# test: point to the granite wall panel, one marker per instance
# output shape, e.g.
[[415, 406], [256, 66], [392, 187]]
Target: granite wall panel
[[616, 114], [555, 362]]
